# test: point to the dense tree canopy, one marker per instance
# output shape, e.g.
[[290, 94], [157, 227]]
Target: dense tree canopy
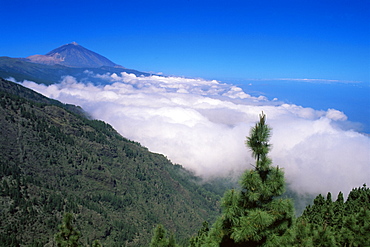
[[54, 160], [337, 223], [68, 236], [161, 238]]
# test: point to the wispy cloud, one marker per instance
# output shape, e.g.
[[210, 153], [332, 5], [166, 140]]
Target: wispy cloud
[[202, 125]]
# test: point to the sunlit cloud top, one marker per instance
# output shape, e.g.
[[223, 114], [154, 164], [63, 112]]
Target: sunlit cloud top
[[203, 124]]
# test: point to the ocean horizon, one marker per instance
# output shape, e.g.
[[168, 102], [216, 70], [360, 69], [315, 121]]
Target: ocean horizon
[[351, 98]]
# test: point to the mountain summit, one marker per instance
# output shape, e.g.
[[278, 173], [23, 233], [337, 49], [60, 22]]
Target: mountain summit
[[70, 59], [72, 55]]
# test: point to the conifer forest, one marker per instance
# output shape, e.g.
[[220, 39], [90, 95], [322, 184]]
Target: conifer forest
[[69, 180]]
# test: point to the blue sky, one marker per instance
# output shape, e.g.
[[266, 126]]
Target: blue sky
[[230, 41], [224, 40]]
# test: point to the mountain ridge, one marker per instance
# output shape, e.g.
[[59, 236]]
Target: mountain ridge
[[21, 69], [67, 60], [72, 55], [54, 161]]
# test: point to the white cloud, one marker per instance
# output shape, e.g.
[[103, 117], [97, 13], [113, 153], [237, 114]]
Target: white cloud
[[336, 115], [202, 125]]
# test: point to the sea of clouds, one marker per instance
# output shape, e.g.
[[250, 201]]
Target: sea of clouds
[[203, 125]]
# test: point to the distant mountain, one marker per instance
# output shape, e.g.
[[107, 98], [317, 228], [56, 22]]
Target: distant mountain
[[71, 59], [21, 70], [53, 160], [72, 55]]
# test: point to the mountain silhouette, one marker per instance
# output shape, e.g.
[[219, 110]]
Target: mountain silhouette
[[70, 59], [72, 55]]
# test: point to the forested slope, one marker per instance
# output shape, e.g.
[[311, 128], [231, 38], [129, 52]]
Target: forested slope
[[258, 215], [55, 160]]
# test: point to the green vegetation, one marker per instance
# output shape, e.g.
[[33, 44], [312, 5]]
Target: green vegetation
[[20, 92], [57, 167], [258, 214], [54, 160], [67, 236], [336, 223], [160, 238], [253, 215]]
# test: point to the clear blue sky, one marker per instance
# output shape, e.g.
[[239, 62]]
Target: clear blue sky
[[224, 40]]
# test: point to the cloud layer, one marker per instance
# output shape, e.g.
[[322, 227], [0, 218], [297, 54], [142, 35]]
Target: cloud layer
[[202, 125]]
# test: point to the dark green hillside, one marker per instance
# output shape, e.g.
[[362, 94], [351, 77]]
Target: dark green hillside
[[54, 161], [22, 92]]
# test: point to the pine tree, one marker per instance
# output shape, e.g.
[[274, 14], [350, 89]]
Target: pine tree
[[337, 223], [255, 216], [355, 230], [201, 239], [339, 210], [302, 232], [258, 139], [96, 243], [314, 214], [68, 236], [160, 238]]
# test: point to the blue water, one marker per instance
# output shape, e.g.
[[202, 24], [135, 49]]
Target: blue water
[[351, 98]]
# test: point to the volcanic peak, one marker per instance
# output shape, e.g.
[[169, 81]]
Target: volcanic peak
[[72, 55]]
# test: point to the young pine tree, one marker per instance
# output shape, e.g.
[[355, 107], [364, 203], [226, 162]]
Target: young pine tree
[[255, 216], [68, 236], [96, 243], [160, 238], [201, 239]]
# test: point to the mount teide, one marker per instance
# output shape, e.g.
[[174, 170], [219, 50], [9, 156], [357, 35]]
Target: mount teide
[[70, 59], [72, 55]]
